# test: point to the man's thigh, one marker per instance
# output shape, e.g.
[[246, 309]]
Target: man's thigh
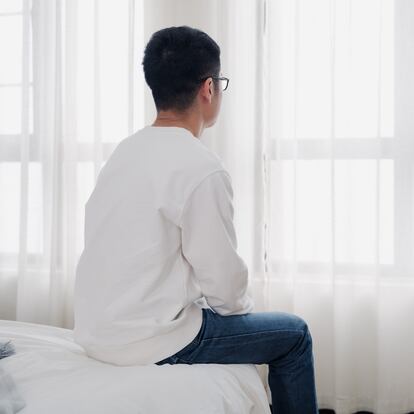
[[257, 337]]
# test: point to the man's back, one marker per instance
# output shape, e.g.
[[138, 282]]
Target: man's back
[[135, 291]]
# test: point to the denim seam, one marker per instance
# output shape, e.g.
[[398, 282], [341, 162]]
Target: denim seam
[[253, 333], [192, 357]]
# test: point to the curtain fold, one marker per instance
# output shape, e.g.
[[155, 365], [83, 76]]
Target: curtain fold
[[316, 130]]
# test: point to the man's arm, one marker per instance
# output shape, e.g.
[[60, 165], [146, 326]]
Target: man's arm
[[209, 244]]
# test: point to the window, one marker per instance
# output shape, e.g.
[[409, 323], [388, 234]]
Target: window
[[338, 172], [95, 94]]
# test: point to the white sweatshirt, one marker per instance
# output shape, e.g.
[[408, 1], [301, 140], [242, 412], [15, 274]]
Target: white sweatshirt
[[159, 236]]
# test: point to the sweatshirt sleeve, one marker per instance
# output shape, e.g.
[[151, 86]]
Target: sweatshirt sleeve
[[209, 244]]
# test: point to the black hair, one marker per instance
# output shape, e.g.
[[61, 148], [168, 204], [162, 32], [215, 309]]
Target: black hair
[[175, 59]]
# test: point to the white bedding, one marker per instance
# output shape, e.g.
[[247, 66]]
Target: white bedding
[[50, 373]]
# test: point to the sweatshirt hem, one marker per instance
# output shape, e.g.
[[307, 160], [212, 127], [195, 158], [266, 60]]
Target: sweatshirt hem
[[145, 352]]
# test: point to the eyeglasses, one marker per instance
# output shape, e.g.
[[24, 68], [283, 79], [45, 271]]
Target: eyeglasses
[[223, 85]]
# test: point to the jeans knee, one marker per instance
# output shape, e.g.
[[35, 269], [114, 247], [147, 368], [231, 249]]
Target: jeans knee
[[305, 340], [300, 352]]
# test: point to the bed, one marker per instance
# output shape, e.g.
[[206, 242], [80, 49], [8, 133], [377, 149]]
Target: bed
[[50, 373]]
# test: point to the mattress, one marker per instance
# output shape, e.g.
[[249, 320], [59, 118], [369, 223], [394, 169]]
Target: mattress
[[50, 373]]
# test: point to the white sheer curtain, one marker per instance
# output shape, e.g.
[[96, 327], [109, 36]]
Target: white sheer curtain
[[70, 90], [340, 181], [316, 129]]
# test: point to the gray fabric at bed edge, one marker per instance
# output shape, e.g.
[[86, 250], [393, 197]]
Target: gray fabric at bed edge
[[6, 349], [11, 401]]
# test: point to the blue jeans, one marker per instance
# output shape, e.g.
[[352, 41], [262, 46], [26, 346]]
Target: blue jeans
[[281, 340]]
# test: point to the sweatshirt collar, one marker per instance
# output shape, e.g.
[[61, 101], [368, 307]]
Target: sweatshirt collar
[[181, 130]]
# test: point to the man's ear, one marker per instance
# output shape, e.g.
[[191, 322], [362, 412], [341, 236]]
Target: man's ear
[[207, 89], [211, 86]]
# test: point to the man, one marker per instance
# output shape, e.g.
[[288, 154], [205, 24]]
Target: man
[[159, 239]]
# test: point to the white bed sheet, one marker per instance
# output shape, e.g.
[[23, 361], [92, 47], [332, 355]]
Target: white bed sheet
[[50, 373]]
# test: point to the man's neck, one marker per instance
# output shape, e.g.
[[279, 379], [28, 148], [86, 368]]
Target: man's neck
[[192, 124]]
